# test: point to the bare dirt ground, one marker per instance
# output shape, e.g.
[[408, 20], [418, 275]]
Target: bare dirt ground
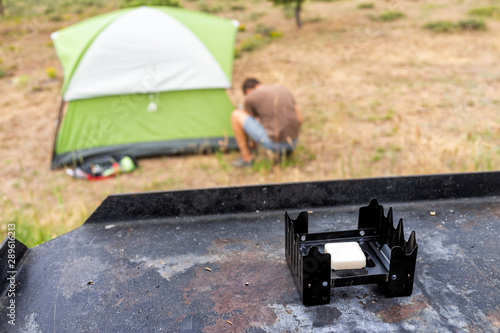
[[379, 98]]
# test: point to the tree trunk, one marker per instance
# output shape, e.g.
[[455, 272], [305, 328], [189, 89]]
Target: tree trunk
[[1, 8], [297, 14]]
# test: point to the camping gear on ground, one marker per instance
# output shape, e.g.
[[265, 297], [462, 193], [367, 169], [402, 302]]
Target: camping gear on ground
[[104, 167], [143, 82]]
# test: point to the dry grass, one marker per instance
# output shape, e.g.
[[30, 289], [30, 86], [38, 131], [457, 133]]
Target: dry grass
[[380, 99]]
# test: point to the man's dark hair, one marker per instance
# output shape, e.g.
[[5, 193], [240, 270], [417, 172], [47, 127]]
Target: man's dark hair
[[249, 83]]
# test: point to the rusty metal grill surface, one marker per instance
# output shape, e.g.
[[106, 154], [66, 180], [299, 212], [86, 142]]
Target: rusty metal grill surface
[[213, 261]]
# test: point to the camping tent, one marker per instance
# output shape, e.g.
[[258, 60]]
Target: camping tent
[[144, 81]]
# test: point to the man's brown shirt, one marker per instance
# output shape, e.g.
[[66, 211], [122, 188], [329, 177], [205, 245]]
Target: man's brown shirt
[[274, 106]]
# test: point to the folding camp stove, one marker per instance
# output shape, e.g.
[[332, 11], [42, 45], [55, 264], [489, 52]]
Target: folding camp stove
[[390, 259]]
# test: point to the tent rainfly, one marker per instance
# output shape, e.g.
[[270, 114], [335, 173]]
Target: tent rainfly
[[143, 82]]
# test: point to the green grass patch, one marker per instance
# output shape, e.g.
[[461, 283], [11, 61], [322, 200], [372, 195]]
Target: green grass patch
[[266, 160], [211, 9], [303, 155], [396, 149], [389, 115], [54, 10], [275, 34], [235, 8], [266, 31], [463, 25], [379, 153], [366, 5], [138, 3], [263, 30], [32, 228], [393, 131], [441, 26], [489, 11], [56, 18], [388, 16], [263, 164], [30, 234], [21, 80], [472, 24], [252, 43], [222, 162]]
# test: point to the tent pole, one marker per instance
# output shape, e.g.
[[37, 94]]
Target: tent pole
[[58, 124]]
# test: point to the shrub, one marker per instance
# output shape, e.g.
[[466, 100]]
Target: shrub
[[491, 11], [263, 36], [263, 30], [237, 52], [390, 16], [205, 7], [266, 31], [36, 88], [49, 10], [56, 18], [366, 5], [137, 3], [276, 34], [252, 43], [448, 26], [7, 71], [237, 8], [441, 26], [472, 24], [379, 153], [79, 10]]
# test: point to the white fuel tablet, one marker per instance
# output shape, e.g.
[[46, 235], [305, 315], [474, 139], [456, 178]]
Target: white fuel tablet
[[346, 255]]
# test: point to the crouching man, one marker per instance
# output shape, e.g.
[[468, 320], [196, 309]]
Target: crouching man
[[270, 118]]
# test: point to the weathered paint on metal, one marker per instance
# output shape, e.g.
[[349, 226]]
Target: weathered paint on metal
[[151, 276]]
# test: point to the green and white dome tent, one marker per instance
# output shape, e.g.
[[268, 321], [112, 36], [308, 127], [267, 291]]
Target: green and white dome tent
[[144, 81]]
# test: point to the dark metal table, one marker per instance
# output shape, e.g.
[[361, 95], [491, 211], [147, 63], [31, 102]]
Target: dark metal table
[[213, 260]]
